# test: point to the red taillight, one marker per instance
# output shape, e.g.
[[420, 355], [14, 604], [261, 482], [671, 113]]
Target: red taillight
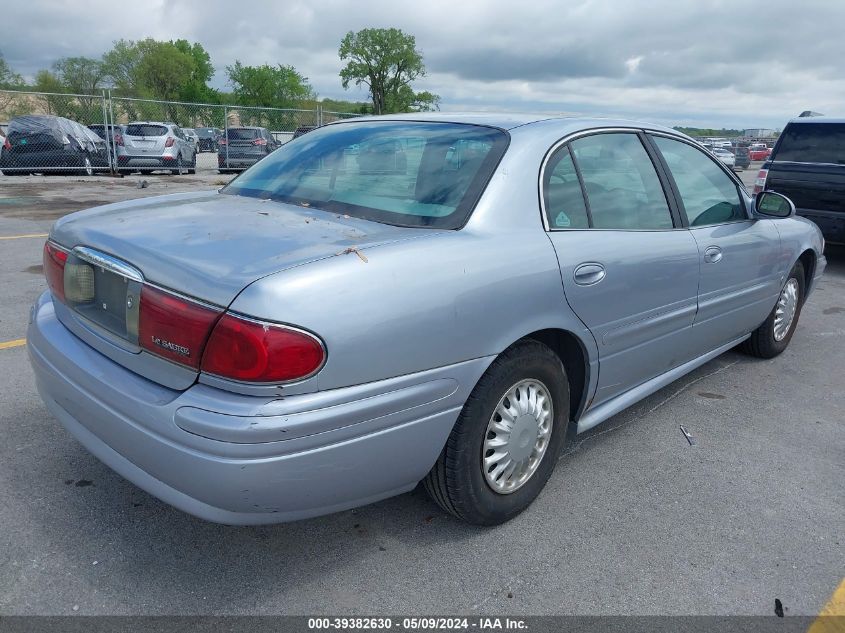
[[760, 182], [260, 141], [118, 140], [222, 141], [261, 352], [54, 270], [174, 328], [169, 142], [6, 143]]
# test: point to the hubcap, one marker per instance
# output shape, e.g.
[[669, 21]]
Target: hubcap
[[517, 436], [786, 308]]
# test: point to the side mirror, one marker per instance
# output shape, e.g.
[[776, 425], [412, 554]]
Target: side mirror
[[773, 205]]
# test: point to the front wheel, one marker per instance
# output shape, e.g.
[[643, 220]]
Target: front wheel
[[507, 439], [87, 167], [771, 338]]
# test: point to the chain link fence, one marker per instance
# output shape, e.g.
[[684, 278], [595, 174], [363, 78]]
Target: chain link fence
[[86, 134]]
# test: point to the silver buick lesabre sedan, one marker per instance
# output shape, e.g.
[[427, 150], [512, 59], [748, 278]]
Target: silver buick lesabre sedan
[[396, 300]]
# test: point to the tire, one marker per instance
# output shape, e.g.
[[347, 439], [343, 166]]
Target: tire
[[767, 341], [87, 167], [193, 168], [178, 170], [457, 482]]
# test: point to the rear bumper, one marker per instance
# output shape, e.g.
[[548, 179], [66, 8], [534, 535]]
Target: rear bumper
[[236, 160], [831, 223], [128, 160], [218, 455]]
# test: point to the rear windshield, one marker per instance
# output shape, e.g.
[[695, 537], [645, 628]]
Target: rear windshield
[[204, 132], [406, 174], [242, 133], [144, 129], [813, 143]]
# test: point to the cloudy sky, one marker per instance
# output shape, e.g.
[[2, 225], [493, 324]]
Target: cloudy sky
[[736, 63]]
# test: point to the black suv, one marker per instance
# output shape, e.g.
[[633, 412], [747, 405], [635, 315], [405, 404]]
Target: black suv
[[808, 166], [242, 147]]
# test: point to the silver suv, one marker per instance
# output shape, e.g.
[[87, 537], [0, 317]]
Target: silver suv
[[149, 146]]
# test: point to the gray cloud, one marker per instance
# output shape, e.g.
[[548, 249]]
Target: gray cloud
[[710, 61]]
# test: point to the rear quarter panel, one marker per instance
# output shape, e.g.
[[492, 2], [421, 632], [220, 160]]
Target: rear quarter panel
[[419, 304]]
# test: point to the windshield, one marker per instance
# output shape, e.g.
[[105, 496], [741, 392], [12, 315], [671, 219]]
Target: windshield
[[406, 174]]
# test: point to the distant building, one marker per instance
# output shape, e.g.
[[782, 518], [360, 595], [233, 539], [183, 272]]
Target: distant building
[[760, 133]]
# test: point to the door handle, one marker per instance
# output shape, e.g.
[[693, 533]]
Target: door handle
[[712, 254], [589, 273]]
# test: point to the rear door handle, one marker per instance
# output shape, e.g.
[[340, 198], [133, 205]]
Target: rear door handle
[[589, 273], [712, 254]]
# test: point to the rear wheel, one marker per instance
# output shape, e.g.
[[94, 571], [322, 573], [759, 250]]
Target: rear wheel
[[507, 439], [771, 338], [193, 168], [178, 169]]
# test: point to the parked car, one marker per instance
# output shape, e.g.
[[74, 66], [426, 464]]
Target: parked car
[[759, 151], [50, 144], [808, 164], [724, 155], [303, 129], [313, 337], [192, 137], [208, 138], [742, 159], [151, 146], [244, 146]]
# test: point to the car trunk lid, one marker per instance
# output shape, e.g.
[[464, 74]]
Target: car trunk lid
[[205, 246]]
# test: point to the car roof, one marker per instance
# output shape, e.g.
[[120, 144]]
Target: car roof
[[513, 120], [817, 119]]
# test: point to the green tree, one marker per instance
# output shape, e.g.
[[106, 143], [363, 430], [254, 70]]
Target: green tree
[[269, 86], [80, 75], [9, 79], [164, 69], [386, 61], [10, 104], [120, 65], [197, 88]]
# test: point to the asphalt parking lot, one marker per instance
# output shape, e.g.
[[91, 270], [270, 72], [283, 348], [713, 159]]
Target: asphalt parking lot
[[635, 520]]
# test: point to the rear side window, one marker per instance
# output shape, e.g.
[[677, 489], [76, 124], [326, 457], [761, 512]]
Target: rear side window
[[623, 189], [562, 195], [708, 195], [143, 129], [813, 143]]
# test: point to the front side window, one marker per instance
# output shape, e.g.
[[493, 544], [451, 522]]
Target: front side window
[[623, 189], [708, 194], [562, 193], [402, 173]]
